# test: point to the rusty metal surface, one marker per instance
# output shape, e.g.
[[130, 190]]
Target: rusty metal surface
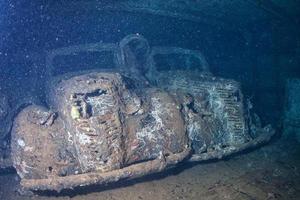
[[102, 128], [213, 108], [98, 125], [40, 147]]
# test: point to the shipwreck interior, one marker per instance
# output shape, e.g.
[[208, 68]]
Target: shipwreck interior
[[143, 99]]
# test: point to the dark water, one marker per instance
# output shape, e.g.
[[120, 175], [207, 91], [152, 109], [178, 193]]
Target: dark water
[[261, 53]]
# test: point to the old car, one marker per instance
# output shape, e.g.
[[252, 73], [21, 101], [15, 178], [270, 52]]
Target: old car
[[136, 115]]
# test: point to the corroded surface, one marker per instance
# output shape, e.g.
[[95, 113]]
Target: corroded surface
[[40, 147], [213, 108], [92, 113], [160, 128], [102, 127], [99, 125]]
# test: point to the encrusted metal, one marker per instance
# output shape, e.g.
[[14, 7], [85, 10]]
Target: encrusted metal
[[103, 126], [214, 108], [98, 125]]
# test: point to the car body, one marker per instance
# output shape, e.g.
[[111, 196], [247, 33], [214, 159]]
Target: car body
[[105, 125]]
